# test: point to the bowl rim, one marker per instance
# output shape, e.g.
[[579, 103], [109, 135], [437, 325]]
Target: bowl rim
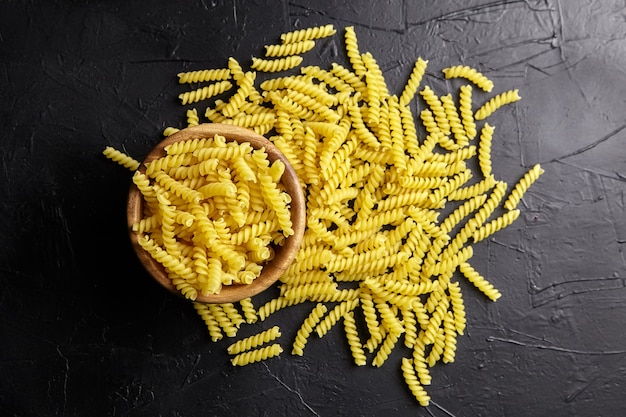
[[284, 255]]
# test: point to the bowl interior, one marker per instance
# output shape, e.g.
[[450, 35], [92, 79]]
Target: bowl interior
[[284, 255]]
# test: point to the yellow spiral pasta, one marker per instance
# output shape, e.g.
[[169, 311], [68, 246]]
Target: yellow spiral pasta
[[334, 315], [310, 291], [246, 86], [412, 84], [312, 104], [222, 320], [458, 307], [170, 131], [371, 319], [479, 281], [350, 78], [276, 65], [385, 349], [308, 34], [312, 90], [121, 158], [213, 327], [470, 74], [257, 355], [233, 314], [170, 262], [254, 341], [434, 103], [249, 311], [449, 330], [251, 120], [474, 190], [219, 74], [356, 347], [352, 51], [438, 347], [410, 377], [273, 306], [204, 93], [496, 102], [307, 327], [165, 163], [484, 149], [461, 212], [177, 188], [466, 112], [291, 48], [522, 186], [496, 224], [456, 127], [435, 321], [419, 360]]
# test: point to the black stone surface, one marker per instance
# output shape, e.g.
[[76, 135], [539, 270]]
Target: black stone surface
[[85, 332]]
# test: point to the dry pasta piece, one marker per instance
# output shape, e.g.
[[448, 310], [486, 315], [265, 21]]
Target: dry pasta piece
[[456, 127], [470, 74], [214, 329], [272, 306], [276, 65], [385, 349], [484, 149], [308, 34], [479, 282], [199, 76], [496, 102], [437, 348], [292, 48], [410, 377], [205, 92], [246, 86], [356, 348], [222, 320], [419, 360], [192, 117], [467, 114], [254, 341], [121, 158], [257, 355], [170, 131], [412, 84], [449, 331], [334, 315], [233, 314], [522, 186], [352, 51], [307, 328], [434, 103], [458, 308], [496, 224]]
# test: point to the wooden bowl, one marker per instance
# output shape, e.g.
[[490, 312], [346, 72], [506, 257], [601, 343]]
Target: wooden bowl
[[284, 255]]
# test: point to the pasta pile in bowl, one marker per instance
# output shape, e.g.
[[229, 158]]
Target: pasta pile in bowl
[[216, 213]]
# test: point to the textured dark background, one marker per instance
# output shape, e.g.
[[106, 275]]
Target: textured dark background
[[85, 332]]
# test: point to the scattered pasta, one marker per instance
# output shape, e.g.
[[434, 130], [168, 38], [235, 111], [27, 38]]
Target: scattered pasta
[[375, 246]]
